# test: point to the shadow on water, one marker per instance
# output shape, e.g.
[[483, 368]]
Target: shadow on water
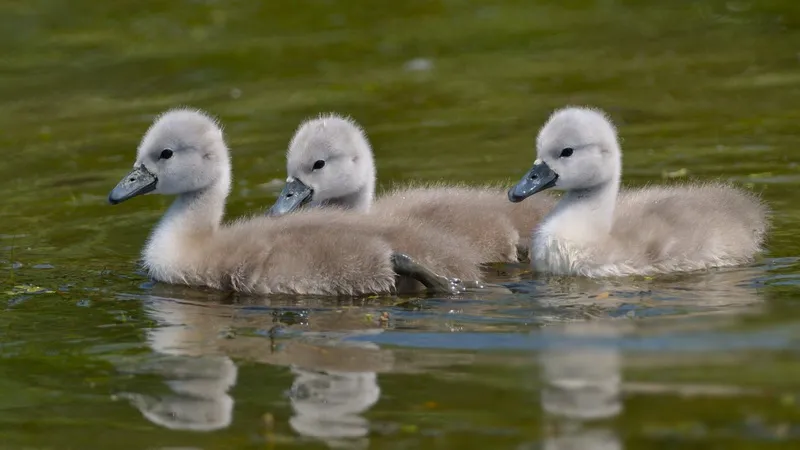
[[96, 356]]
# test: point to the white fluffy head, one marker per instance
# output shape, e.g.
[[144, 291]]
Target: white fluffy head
[[580, 145], [331, 155], [185, 150]]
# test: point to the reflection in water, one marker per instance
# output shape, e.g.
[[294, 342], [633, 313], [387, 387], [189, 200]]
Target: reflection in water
[[582, 381], [726, 291], [335, 372], [328, 405], [335, 380], [199, 380], [577, 438], [200, 400], [328, 399]]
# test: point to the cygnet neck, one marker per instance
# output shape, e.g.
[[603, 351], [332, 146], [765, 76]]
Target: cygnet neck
[[194, 214], [595, 204], [361, 200]]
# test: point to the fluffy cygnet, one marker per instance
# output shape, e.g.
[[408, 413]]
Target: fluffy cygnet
[[330, 163], [319, 252], [597, 231]]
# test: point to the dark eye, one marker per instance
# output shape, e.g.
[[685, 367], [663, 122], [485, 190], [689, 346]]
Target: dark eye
[[319, 165], [166, 154], [566, 153]]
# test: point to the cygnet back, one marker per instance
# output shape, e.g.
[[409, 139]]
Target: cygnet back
[[710, 224], [337, 248], [475, 213]]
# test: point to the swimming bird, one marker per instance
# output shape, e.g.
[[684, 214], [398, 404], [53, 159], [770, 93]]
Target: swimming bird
[[184, 154], [330, 162], [596, 230]]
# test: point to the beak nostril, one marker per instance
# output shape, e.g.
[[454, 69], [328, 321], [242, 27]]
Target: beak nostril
[[289, 195], [131, 179]]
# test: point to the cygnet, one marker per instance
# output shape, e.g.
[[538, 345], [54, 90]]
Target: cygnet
[[330, 162], [597, 231]]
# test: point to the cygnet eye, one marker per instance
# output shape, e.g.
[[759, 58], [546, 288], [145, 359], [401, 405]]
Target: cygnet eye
[[566, 153], [166, 154], [318, 165]]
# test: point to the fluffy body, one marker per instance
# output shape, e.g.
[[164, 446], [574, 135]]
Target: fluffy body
[[480, 214]]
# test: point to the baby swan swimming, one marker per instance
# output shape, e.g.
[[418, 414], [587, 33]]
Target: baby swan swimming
[[597, 231], [324, 253], [330, 163]]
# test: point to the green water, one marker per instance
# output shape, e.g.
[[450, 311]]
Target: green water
[[94, 356]]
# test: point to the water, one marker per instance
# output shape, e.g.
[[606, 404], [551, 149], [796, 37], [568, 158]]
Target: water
[[96, 356]]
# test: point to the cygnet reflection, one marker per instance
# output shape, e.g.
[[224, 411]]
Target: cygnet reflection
[[328, 403], [198, 379], [582, 382]]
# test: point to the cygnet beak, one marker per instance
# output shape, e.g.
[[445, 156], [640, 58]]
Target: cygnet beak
[[539, 178], [294, 195], [139, 181]]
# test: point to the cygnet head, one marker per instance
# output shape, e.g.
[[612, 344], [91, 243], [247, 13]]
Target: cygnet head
[[182, 152], [329, 162], [577, 149]]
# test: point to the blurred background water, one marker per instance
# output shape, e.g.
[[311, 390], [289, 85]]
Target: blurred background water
[[95, 356]]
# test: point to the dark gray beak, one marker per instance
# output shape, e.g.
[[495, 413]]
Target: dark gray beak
[[139, 181], [539, 178], [294, 195]]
